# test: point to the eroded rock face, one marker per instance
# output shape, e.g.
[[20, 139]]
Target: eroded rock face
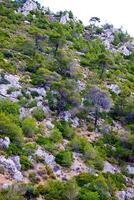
[[12, 166], [4, 143], [28, 6]]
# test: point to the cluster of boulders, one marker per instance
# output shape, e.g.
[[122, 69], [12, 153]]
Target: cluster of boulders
[[108, 37], [77, 167], [28, 6]]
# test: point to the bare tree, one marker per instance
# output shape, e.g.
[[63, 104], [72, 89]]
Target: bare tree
[[99, 100]]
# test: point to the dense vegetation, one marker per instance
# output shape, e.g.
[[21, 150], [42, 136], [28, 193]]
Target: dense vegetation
[[58, 57]]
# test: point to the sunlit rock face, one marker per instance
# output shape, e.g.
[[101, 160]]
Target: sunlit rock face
[[28, 6]]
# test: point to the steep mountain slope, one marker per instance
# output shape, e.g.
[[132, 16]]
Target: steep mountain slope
[[66, 106]]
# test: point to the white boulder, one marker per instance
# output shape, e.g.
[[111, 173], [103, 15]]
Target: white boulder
[[4, 143], [49, 124], [64, 19], [115, 88]]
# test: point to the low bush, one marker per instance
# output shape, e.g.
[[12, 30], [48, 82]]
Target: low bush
[[64, 158], [29, 127]]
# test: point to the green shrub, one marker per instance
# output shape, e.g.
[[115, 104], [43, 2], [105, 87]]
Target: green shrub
[[78, 144], [66, 129], [9, 107], [47, 143], [56, 135], [11, 194], [64, 158], [31, 191], [32, 103], [54, 190], [88, 195], [25, 163], [38, 114], [33, 177], [29, 127], [14, 150], [71, 190], [30, 147], [10, 129], [115, 181]]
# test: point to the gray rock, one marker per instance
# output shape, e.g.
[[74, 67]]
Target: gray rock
[[4, 143]]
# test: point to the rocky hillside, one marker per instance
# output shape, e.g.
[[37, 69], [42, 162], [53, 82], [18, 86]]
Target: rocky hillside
[[66, 106]]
